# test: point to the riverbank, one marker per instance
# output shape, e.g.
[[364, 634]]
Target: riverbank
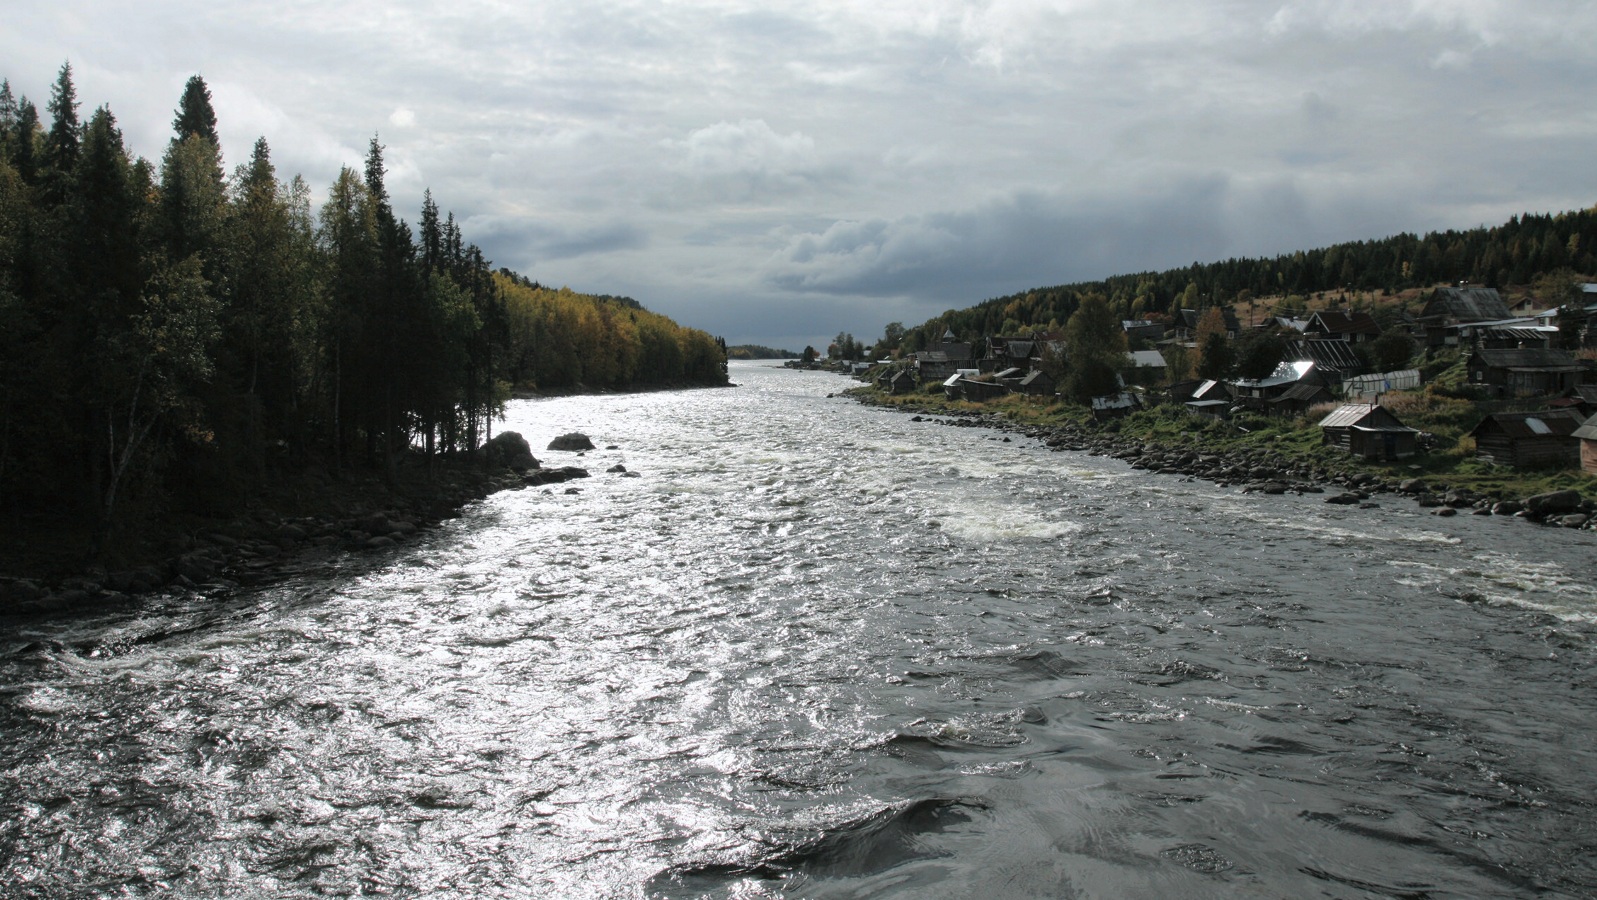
[[1172, 442], [295, 520]]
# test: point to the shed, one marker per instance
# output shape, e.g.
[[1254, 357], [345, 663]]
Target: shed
[[1523, 439], [1371, 432], [1587, 435]]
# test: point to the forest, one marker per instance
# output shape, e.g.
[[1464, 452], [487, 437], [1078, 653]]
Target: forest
[[172, 335], [1514, 253]]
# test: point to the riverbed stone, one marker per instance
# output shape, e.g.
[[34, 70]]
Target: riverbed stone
[[571, 442], [552, 476]]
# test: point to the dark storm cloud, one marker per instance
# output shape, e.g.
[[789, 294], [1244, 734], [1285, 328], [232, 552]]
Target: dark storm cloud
[[744, 165]]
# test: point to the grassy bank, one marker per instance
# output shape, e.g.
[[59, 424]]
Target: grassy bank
[[1297, 442]]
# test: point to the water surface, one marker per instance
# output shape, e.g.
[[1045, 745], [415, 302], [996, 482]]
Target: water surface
[[819, 650]]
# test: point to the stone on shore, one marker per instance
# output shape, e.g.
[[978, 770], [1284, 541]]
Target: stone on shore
[[1553, 503], [509, 450]]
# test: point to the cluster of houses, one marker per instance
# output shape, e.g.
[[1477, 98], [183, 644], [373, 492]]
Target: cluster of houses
[[1512, 358]]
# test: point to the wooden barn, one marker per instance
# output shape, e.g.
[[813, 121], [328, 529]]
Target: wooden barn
[[1371, 432], [1587, 435], [1525, 439]]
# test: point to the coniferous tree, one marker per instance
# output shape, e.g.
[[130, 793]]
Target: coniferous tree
[[65, 131], [196, 115]]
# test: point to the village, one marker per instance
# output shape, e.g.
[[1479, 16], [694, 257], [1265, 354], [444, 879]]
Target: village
[[1491, 394]]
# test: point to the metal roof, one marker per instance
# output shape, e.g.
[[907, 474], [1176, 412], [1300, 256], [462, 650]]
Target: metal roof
[[1363, 417], [1288, 372]]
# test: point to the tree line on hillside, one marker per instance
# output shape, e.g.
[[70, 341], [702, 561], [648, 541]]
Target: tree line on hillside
[[169, 333], [1518, 252]]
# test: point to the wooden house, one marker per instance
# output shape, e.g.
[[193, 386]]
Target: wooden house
[[1256, 393], [1371, 432], [1525, 373], [1525, 439], [1011, 353], [1187, 322], [1298, 399], [901, 381], [1037, 383], [1333, 358], [1144, 367], [1587, 435], [1211, 398], [1459, 305], [1353, 327]]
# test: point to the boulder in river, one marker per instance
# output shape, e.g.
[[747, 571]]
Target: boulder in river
[[551, 476], [573, 442], [509, 450]]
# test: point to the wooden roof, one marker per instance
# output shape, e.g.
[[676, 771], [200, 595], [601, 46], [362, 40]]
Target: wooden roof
[[1469, 304], [1542, 358], [1543, 423]]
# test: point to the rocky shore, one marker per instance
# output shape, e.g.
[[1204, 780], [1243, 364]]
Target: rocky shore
[[359, 514], [1260, 471]]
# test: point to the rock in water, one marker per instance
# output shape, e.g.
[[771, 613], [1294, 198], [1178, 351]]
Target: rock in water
[[509, 450], [574, 442]]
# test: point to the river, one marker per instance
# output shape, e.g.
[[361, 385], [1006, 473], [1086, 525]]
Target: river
[[819, 650]]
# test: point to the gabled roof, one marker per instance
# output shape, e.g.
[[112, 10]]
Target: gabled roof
[[1147, 359], [1540, 358], [1588, 431], [1364, 418], [1302, 391], [1327, 354], [1191, 317], [1545, 423], [1334, 322], [1285, 373], [1035, 376], [1470, 304]]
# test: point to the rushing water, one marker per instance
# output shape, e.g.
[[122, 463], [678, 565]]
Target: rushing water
[[819, 650]]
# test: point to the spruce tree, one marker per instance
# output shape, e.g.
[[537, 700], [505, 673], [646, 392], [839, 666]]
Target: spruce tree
[[195, 115], [65, 131]]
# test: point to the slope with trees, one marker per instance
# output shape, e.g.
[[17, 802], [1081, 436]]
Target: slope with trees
[[172, 337]]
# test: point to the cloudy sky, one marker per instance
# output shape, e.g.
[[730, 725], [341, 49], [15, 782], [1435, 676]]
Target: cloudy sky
[[779, 171]]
